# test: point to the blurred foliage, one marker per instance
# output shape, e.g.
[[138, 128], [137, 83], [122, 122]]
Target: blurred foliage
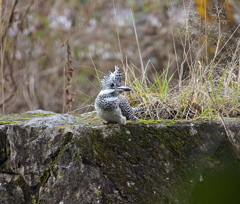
[[222, 14], [207, 8], [34, 60]]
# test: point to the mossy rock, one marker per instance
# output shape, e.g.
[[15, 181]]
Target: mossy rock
[[54, 158]]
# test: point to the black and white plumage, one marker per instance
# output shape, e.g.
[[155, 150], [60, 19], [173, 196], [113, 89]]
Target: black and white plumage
[[110, 104]]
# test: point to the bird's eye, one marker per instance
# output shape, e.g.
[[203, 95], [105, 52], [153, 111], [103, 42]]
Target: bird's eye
[[112, 85]]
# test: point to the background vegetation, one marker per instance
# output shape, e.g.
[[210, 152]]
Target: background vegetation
[[181, 57]]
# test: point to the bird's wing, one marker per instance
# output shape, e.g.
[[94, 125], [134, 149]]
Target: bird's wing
[[126, 109]]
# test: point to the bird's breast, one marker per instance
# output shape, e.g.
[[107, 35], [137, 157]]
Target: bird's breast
[[106, 103]]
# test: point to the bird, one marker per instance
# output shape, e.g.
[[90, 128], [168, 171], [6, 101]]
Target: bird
[[110, 105]]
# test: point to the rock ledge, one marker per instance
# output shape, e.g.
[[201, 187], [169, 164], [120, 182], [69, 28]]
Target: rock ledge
[[58, 158]]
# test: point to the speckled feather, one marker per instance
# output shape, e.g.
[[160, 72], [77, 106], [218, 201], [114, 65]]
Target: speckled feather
[[110, 104], [126, 109]]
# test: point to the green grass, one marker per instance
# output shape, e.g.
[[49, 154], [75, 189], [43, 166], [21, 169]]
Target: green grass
[[193, 100]]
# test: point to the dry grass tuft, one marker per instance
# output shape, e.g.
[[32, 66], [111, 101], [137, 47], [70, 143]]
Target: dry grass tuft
[[209, 79], [192, 99]]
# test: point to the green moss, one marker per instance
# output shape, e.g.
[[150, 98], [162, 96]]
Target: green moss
[[100, 153], [9, 122], [146, 122], [44, 177], [33, 199], [55, 158], [38, 114], [20, 177], [17, 118], [163, 122], [89, 117], [77, 115], [176, 145], [4, 122], [91, 120]]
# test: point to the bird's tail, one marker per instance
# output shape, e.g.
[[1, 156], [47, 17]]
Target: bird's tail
[[139, 109]]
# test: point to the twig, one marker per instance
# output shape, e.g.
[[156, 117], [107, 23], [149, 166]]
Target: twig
[[139, 51], [3, 33], [9, 22], [2, 78], [119, 42], [69, 97], [8, 98]]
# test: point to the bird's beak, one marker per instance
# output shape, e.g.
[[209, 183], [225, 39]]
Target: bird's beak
[[123, 88]]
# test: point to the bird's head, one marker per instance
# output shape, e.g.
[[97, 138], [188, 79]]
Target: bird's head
[[112, 82]]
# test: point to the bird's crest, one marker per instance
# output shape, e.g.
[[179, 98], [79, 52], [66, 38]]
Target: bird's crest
[[114, 78]]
